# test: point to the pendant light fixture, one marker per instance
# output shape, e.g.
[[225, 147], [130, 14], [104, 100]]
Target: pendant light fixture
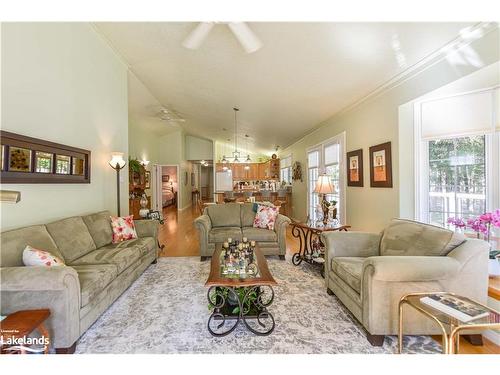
[[247, 167], [236, 153]]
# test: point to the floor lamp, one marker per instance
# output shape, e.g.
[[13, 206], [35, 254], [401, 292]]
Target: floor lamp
[[117, 163]]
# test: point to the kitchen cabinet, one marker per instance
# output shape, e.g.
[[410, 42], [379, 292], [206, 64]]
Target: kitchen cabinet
[[256, 171], [238, 171]]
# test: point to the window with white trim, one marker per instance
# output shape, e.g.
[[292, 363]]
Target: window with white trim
[[327, 157], [286, 169], [457, 153]]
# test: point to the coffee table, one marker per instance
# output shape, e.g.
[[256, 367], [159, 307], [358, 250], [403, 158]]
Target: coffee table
[[309, 238], [236, 298]]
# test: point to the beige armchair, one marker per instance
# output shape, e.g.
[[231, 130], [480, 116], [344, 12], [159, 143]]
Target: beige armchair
[[369, 273]]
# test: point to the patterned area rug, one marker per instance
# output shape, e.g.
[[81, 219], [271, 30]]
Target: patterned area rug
[[165, 311]]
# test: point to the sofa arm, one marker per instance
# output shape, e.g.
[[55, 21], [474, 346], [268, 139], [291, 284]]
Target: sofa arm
[[53, 288], [411, 268], [204, 225], [280, 229], [350, 244], [146, 228]]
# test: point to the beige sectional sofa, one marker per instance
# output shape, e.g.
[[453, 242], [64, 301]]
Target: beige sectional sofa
[[369, 272], [235, 220], [96, 271]]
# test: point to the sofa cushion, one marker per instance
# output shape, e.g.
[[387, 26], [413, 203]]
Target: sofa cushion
[[143, 245], [349, 269], [72, 237], [247, 214], [39, 258], [13, 243], [221, 234], [99, 226], [93, 279], [409, 238], [121, 257], [224, 215], [259, 234]]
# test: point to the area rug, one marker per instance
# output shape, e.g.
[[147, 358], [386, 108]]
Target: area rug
[[165, 311]]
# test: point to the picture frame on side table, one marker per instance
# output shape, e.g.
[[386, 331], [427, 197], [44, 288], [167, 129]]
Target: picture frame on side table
[[381, 165], [355, 168]]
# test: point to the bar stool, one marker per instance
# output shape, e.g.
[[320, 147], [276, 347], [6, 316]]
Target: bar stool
[[265, 195], [229, 196], [282, 196]]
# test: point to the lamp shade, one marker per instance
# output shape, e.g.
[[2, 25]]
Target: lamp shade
[[324, 185], [117, 160]]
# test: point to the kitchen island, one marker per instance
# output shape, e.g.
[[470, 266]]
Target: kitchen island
[[240, 194]]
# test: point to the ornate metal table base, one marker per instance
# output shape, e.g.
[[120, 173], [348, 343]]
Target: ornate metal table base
[[234, 304], [309, 238]]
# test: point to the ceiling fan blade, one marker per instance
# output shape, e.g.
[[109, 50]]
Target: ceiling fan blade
[[247, 38], [198, 35]]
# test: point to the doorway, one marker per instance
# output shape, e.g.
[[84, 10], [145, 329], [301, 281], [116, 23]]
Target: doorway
[[206, 182], [166, 187]]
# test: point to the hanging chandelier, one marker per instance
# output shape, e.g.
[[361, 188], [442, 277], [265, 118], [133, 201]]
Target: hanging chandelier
[[237, 158]]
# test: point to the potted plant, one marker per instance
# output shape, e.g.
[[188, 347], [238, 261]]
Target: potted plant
[[483, 226]]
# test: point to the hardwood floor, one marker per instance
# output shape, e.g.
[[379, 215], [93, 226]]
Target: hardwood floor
[[180, 238]]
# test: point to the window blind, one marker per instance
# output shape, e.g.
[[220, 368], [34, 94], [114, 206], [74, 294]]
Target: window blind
[[468, 114]]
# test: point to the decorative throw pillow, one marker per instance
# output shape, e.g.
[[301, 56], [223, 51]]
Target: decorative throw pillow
[[265, 217], [35, 257], [123, 228]]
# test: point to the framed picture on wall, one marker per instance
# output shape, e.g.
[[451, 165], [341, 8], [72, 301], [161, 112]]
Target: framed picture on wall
[[148, 180], [192, 179], [185, 178], [381, 165], [355, 171]]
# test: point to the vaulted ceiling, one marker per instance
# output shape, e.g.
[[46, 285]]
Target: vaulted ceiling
[[303, 74]]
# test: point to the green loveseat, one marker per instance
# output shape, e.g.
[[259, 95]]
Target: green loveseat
[[97, 272], [370, 272], [235, 220]]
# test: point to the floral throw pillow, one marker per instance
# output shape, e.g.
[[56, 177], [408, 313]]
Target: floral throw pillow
[[123, 228], [265, 217], [35, 257]]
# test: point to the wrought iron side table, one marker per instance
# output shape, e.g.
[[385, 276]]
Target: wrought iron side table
[[309, 237]]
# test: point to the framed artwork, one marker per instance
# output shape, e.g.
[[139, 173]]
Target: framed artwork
[[27, 160], [185, 178], [165, 178], [148, 180], [381, 165], [19, 159], [355, 171], [192, 179]]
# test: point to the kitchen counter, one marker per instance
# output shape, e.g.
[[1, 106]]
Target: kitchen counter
[[257, 193]]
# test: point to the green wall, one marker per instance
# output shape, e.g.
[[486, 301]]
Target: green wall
[[376, 121]]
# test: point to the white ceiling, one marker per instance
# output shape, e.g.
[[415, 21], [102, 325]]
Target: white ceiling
[[304, 74]]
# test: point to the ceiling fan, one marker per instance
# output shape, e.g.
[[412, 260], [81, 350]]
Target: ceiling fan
[[168, 115], [247, 38]]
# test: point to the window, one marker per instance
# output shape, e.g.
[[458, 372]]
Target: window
[[457, 172], [457, 178], [286, 169], [327, 158]]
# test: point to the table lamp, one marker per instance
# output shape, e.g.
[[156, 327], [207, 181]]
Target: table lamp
[[117, 163], [323, 187]]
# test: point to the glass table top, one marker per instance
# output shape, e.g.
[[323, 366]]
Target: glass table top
[[463, 303]]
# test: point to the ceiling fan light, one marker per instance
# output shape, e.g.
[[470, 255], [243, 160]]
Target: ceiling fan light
[[247, 38], [198, 35]]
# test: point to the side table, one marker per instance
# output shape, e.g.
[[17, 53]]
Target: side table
[[450, 340], [19, 325], [308, 236]]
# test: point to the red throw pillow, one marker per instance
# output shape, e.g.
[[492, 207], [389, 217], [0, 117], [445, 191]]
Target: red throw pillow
[[123, 228], [265, 217]]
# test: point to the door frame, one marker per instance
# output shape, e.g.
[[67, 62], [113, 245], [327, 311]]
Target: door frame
[[157, 183]]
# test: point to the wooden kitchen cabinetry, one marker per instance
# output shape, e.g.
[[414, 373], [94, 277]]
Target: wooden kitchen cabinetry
[[270, 170]]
